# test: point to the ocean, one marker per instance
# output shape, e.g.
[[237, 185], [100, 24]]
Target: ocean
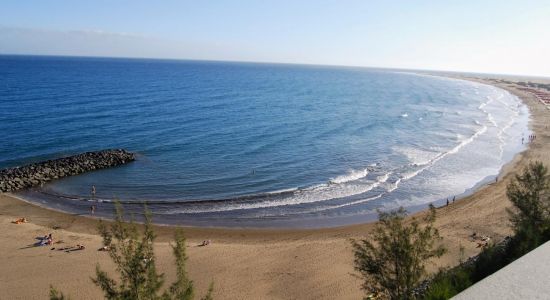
[[254, 145]]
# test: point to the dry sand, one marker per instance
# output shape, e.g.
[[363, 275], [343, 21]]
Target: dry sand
[[244, 263]]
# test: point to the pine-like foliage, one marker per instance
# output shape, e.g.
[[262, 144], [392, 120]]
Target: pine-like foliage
[[56, 295], [529, 194], [530, 216], [134, 257], [392, 260]]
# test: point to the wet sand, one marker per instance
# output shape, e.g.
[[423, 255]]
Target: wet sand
[[246, 263]]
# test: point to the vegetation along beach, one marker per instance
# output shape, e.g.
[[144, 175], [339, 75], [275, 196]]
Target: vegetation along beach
[[282, 263], [274, 150]]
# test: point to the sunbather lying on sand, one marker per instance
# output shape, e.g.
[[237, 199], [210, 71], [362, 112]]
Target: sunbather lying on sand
[[45, 240], [20, 221], [71, 249]]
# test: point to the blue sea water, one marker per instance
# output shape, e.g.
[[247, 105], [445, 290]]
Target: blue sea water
[[261, 145]]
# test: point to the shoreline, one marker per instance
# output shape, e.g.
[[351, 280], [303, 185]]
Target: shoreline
[[81, 204], [282, 263]]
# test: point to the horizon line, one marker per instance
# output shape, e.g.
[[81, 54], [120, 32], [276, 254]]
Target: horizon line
[[273, 63]]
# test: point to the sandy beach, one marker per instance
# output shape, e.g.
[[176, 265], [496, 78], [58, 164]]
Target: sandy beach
[[246, 263]]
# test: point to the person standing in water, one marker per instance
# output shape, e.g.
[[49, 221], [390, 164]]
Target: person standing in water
[[92, 208]]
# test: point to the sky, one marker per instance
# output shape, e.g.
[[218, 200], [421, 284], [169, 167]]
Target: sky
[[501, 37]]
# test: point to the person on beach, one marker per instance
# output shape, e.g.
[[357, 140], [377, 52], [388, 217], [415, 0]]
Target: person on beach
[[447, 201], [92, 209], [45, 240], [93, 191], [20, 221], [454, 197]]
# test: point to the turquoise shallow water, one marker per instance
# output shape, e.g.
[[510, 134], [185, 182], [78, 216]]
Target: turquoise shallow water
[[238, 144]]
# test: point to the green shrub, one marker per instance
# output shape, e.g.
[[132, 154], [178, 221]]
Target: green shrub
[[392, 262], [530, 219], [134, 258]]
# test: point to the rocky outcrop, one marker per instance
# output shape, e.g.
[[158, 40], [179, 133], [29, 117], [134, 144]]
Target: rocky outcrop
[[14, 179]]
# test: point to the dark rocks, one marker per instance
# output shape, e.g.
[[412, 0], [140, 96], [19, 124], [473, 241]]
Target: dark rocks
[[14, 179]]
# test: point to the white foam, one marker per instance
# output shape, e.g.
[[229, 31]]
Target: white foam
[[317, 193], [383, 178], [511, 107], [350, 184], [464, 142], [411, 174], [416, 156], [351, 176], [390, 187], [347, 204], [283, 191], [324, 192], [328, 207]]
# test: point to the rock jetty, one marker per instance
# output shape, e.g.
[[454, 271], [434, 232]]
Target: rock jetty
[[14, 179]]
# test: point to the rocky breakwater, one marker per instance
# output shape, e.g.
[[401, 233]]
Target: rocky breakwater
[[14, 179]]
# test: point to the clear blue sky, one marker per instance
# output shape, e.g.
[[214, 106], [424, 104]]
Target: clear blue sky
[[511, 37]]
